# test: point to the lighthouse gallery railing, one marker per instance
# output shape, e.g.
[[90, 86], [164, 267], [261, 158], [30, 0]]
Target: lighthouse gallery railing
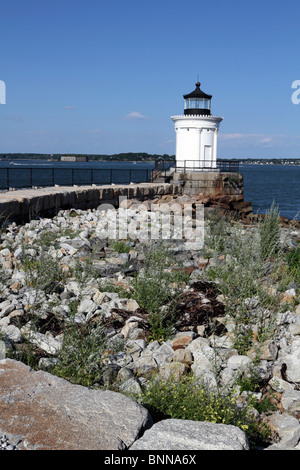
[[226, 166]]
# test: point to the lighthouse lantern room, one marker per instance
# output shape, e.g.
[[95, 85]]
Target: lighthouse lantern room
[[196, 132]]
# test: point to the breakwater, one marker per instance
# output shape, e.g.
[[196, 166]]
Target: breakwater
[[25, 204]]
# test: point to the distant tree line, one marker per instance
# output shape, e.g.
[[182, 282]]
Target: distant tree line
[[129, 156], [275, 161]]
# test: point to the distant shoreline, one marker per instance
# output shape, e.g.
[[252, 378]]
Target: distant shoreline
[[121, 157], [241, 162], [269, 164], [141, 157]]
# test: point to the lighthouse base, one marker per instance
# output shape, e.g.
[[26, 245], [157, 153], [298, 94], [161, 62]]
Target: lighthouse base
[[210, 183]]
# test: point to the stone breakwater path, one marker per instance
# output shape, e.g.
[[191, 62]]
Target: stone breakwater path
[[63, 273], [24, 204]]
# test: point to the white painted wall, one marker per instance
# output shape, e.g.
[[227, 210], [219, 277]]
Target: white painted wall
[[196, 140]]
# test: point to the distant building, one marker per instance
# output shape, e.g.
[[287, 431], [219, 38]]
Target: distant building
[[73, 158]]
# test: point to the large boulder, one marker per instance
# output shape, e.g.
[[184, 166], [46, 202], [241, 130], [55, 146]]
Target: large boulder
[[46, 412], [177, 434]]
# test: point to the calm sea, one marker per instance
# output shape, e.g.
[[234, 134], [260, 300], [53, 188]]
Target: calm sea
[[263, 184]]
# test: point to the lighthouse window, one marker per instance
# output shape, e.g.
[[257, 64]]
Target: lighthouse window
[[197, 103]]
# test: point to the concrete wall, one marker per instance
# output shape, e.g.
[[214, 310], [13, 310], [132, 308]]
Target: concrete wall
[[26, 204], [210, 183]]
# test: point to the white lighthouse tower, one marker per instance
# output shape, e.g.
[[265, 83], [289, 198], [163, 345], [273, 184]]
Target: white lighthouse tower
[[196, 132]]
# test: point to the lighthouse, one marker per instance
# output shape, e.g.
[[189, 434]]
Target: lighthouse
[[196, 133]]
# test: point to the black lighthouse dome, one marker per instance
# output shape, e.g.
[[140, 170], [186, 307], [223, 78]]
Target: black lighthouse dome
[[197, 102]]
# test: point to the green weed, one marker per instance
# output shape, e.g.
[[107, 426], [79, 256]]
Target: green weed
[[269, 231], [190, 400], [157, 287], [80, 355]]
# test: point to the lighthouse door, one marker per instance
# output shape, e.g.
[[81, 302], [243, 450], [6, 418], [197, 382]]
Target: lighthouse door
[[207, 156]]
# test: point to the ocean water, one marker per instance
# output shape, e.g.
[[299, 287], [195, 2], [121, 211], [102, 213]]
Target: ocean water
[[263, 184]]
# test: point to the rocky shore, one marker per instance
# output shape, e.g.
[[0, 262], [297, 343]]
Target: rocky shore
[[65, 277]]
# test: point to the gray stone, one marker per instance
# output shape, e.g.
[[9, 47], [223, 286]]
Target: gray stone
[[151, 348], [124, 374], [183, 355], [290, 401], [143, 365], [70, 250], [136, 334], [280, 385], [239, 362], [172, 371], [205, 377], [107, 307], [163, 354], [268, 350], [293, 370], [47, 363], [176, 434], [294, 327], [131, 387], [52, 414], [224, 342], [287, 427], [203, 359], [280, 446], [11, 332], [129, 304], [263, 371], [5, 308], [197, 343], [46, 342], [128, 327], [228, 376], [86, 306], [122, 359]]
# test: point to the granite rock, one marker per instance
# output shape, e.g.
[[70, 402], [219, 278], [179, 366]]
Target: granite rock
[[176, 434], [50, 413]]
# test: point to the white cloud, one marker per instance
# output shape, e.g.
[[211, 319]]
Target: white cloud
[[135, 115], [71, 108], [258, 140], [236, 136]]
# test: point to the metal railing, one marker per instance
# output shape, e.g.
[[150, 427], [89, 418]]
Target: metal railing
[[161, 170], [17, 178], [226, 166], [20, 177]]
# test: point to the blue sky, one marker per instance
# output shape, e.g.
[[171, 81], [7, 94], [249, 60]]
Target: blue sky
[[104, 77]]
